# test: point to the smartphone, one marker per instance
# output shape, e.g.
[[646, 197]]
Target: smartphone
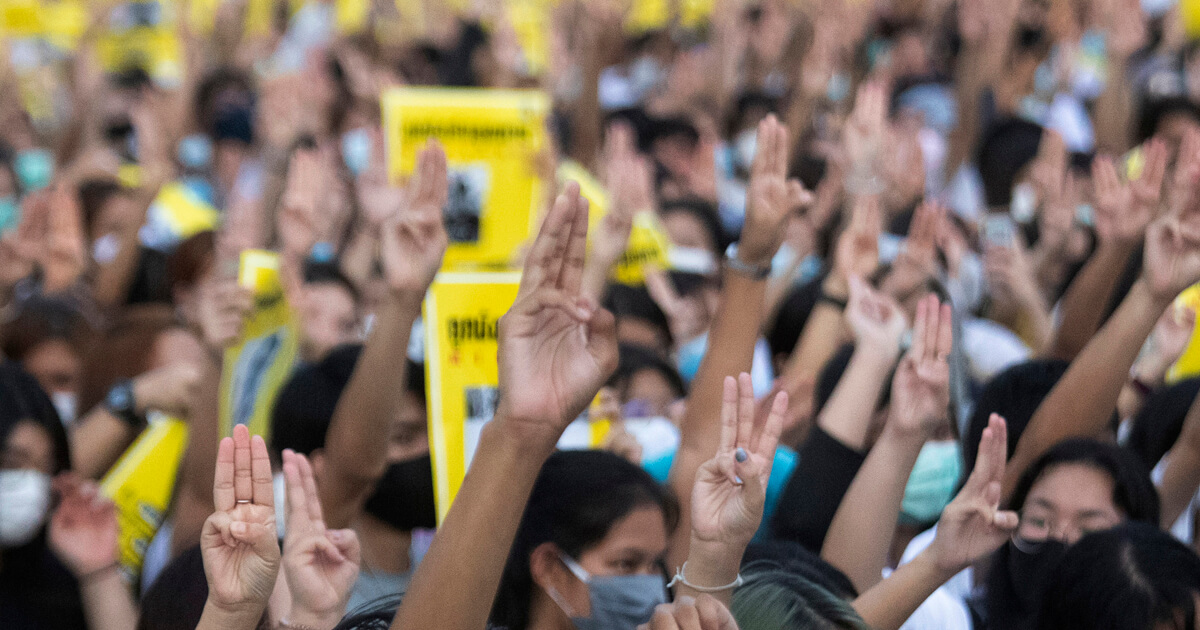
[[999, 230]]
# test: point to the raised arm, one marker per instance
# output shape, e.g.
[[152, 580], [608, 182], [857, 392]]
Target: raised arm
[[628, 177], [1123, 210], [862, 531], [556, 350], [413, 243], [1084, 399], [770, 199], [1115, 108], [972, 526]]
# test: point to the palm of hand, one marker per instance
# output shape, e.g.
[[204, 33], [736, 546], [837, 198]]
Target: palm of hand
[[319, 578], [723, 510], [415, 240], [87, 540], [548, 350], [969, 535], [1172, 259], [876, 323], [237, 573], [921, 393]]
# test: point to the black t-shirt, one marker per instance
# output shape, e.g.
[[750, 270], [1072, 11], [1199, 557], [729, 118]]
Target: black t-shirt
[[37, 592], [824, 471]]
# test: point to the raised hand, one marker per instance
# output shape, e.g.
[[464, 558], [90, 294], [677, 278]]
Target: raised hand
[[241, 553], [414, 239], [221, 312], [875, 318], [320, 565], [1124, 209], [770, 197], [701, 613], [169, 389], [857, 251], [64, 255], [300, 222], [730, 490], [1172, 258], [1182, 190], [918, 260], [83, 531], [863, 136], [973, 525], [556, 347], [921, 387]]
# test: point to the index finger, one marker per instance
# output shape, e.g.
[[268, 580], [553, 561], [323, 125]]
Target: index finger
[[223, 486]]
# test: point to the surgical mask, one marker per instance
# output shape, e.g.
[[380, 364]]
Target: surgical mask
[[690, 354], [932, 483], [1023, 206], [403, 498], [25, 495], [10, 213], [745, 145], [838, 87], [195, 152], [691, 260], [34, 168], [66, 404], [618, 602], [356, 150], [645, 73], [106, 248]]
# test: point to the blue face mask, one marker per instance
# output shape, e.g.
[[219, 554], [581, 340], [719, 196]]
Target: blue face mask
[[932, 483], [10, 213], [195, 152], [35, 168], [690, 356], [618, 602], [356, 150]]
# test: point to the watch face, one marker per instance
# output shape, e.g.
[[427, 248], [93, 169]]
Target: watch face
[[118, 398]]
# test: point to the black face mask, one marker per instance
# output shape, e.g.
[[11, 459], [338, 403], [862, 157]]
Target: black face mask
[[234, 122], [1018, 581], [404, 496]]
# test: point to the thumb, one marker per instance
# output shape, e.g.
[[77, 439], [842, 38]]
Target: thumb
[[602, 338]]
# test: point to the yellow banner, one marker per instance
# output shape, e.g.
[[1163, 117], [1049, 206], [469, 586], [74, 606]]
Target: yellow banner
[[461, 376], [262, 360], [141, 485], [492, 139]]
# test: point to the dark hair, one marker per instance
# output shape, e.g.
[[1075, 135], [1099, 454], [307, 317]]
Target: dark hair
[[329, 273], [191, 260], [211, 86], [625, 301], [1016, 393], [831, 374], [22, 400], [377, 615], [1133, 577], [1160, 420], [634, 359], [702, 211], [792, 317], [1155, 111], [123, 351], [1133, 492], [1005, 149], [796, 558], [40, 319], [776, 595], [576, 500]]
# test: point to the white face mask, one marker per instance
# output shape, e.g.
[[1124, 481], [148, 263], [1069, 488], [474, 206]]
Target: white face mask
[[745, 145], [106, 248], [25, 495], [66, 404]]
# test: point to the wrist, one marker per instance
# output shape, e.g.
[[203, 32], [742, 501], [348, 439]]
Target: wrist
[[218, 615], [939, 570], [712, 564], [509, 432], [300, 618]]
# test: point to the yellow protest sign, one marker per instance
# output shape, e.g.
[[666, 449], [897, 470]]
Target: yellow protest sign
[[492, 139], [461, 314], [1189, 15], [141, 486], [143, 36], [262, 360]]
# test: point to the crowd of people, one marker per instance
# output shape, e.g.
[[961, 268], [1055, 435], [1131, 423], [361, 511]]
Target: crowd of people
[[920, 354]]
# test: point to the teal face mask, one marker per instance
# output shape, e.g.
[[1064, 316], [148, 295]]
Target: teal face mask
[[690, 356], [932, 483], [34, 168], [356, 150], [10, 214]]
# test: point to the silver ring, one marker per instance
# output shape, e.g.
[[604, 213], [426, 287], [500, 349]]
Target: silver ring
[[241, 501]]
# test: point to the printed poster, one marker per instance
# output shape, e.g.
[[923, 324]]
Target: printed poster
[[141, 484], [461, 312], [492, 139], [257, 367]]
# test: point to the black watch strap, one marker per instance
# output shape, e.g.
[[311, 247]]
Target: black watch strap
[[121, 403]]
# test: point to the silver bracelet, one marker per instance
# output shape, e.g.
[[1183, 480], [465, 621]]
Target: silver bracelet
[[679, 579]]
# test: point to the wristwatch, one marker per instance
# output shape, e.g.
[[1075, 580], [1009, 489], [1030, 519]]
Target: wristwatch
[[121, 403], [758, 272]]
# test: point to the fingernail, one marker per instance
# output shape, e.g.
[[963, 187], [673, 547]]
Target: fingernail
[[740, 454]]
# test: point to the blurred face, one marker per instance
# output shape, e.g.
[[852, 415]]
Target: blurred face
[[634, 546], [1067, 502], [685, 230], [28, 447], [652, 392], [1173, 127], [56, 366], [409, 437], [329, 318]]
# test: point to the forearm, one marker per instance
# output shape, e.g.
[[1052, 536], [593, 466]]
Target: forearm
[[454, 587], [970, 87], [730, 351], [1086, 300], [847, 414], [194, 502], [820, 340], [356, 455], [888, 604], [1114, 111], [1038, 325], [98, 441], [107, 603], [1082, 402], [1179, 483], [861, 533]]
